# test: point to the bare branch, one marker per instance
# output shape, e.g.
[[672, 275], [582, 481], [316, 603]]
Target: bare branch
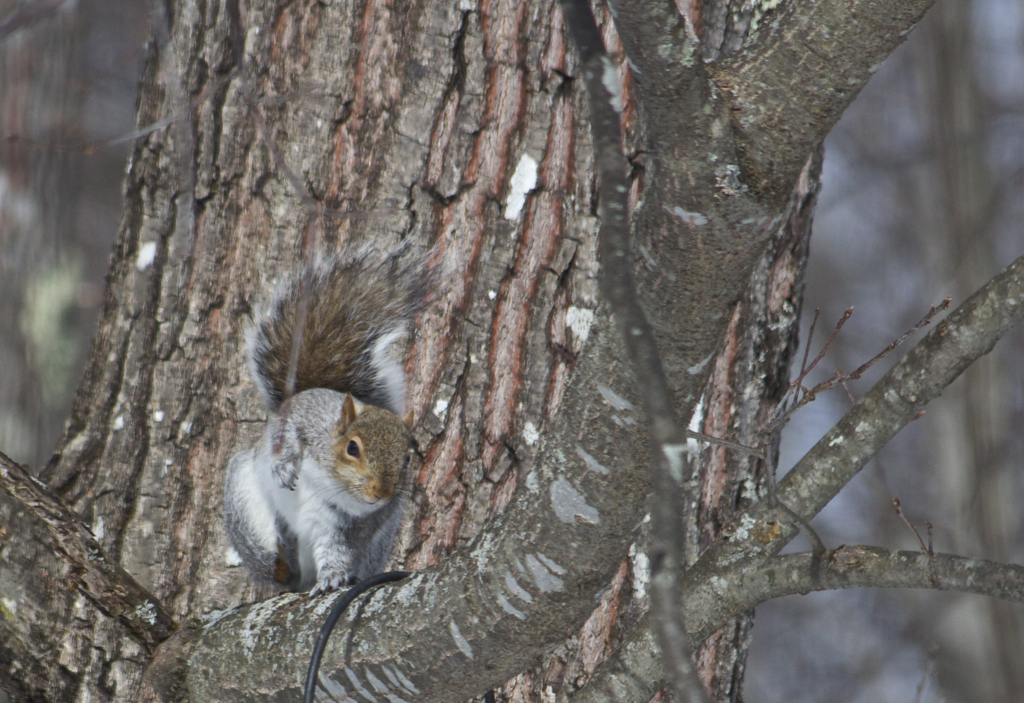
[[741, 448], [898, 398], [927, 549], [105, 584], [932, 312], [798, 383], [713, 602], [755, 581], [839, 377]]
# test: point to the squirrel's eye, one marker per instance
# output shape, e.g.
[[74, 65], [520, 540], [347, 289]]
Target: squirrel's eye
[[352, 449]]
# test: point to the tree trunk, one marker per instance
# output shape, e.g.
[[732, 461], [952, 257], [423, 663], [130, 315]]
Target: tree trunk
[[309, 126]]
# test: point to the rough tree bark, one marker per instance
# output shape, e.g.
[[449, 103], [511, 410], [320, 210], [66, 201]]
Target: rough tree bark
[[292, 127]]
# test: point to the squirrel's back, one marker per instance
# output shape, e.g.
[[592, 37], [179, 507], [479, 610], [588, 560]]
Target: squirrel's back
[[350, 311]]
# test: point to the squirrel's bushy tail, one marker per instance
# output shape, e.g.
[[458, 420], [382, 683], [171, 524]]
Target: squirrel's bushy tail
[[354, 309]]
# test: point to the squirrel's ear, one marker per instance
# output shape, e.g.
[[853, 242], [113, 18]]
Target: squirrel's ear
[[407, 420], [348, 411]]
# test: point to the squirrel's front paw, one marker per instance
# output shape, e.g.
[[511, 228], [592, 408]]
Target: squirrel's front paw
[[286, 473], [329, 581]]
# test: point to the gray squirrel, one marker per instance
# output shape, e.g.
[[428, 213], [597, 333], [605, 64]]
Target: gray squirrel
[[316, 502]]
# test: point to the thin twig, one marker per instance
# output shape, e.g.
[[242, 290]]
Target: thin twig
[[784, 410], [899, 511], [807, 347], [828, 343], [784, 413], [741, 448], [849, 395]]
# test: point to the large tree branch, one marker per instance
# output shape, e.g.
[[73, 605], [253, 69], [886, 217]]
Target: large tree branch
[[490, 609], [968, 333], [791, 84], [632, 674], [751, 582], [107, 586]]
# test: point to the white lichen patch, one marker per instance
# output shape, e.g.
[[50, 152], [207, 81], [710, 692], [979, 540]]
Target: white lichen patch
[[592, 463], [99, 530], [694, 219], [610, 81], [579, 321], [509, 608], [641, 571], [391, 676], [623, 421], [696, 420], [460, 641], [406, 683], [836, 440], [255, 620], [742, 532], [358, 685], [570, 505], [523, 181], [324, 605], [552, 565], [440, 407], [335, 690], [760, 10], [530, 433], [375, 682], [483, 553], [119, 423], [145, 612], [515, 589], [214, 616], [542, 576], [146, 256], [232, 557], [158, 416], [614, 399], [532, 482]]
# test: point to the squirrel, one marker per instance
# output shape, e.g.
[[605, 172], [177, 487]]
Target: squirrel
[[316, 502]]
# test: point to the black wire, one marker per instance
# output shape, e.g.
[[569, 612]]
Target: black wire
[[332, 618]]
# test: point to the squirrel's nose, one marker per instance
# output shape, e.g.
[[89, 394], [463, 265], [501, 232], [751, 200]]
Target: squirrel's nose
[[376, 492]]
